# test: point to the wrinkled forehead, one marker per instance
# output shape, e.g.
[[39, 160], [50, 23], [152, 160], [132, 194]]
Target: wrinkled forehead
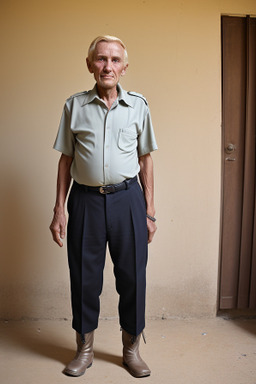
[[109, 48]]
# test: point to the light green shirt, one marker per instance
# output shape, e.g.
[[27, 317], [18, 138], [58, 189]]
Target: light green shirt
[[105, 144]]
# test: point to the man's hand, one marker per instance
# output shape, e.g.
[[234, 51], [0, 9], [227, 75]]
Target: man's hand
[[58, 226], [151, 229]]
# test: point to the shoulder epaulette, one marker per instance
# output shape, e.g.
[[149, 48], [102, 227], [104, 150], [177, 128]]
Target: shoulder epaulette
[[77, 94], [138, 95]]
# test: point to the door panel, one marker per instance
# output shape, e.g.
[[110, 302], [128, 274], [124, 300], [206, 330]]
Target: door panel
[[247, 226], [238, 123]]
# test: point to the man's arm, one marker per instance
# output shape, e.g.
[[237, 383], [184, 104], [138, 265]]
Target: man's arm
[[58, 224], [147, 182]]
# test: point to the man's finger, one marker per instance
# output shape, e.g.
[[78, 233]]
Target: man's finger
[[57, 239], [57, 236], [151, 230], [62, 233]]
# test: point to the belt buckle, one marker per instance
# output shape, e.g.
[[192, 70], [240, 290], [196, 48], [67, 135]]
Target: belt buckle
[[103, 190]]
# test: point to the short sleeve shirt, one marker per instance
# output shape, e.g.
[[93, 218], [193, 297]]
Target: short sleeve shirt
[[105, 144]]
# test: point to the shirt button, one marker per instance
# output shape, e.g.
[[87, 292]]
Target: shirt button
[[106, 165]]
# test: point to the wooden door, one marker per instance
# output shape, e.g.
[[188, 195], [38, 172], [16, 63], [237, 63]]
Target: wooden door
[[238, 240]]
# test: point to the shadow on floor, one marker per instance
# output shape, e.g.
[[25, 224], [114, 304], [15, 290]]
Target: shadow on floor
[[245, 319], [110, 358], [248, 325], [48, 345]]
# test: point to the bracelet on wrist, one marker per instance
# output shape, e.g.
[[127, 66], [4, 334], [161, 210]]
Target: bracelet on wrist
[[151, 218]]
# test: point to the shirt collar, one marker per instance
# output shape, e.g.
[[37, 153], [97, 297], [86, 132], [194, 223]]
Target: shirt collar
[[123, 95], [93, 94], [90, 96]]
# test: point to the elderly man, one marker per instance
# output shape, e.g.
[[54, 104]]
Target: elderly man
[[105, 137]]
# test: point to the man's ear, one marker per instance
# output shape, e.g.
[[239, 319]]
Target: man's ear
[[89, 66], [124, 70]]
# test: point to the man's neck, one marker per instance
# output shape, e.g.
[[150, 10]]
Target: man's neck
[[107, 95]]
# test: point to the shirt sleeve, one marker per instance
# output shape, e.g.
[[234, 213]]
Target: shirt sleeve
[[146, 140], [65, 140]]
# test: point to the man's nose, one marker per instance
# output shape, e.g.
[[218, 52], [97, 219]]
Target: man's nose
[[108, 66]]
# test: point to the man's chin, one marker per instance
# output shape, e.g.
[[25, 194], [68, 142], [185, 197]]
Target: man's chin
[[107, 84]]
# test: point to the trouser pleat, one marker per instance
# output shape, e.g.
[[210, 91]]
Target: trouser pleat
[[86, 255]]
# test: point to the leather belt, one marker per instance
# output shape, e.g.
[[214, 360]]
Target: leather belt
[[112, 188]]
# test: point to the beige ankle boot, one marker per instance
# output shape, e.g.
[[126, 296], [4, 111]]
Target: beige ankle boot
[[131, 356], [84, 355]]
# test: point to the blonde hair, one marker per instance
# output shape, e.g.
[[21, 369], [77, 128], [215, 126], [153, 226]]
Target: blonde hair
[[108, 39]]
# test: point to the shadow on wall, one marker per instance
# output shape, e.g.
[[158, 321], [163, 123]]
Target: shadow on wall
[[19, 264]]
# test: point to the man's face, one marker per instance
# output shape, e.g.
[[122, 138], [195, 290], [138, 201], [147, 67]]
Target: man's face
[[107, 64]]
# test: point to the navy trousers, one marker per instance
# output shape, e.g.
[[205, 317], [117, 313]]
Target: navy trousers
[[118, 219]]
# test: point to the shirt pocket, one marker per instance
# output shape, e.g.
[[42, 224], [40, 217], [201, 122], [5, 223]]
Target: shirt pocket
[[127, 140]]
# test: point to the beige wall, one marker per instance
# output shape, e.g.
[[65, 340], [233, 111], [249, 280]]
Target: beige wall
[[174, 50]]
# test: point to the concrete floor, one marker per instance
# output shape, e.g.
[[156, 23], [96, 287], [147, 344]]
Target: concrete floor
[[190, 351]]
